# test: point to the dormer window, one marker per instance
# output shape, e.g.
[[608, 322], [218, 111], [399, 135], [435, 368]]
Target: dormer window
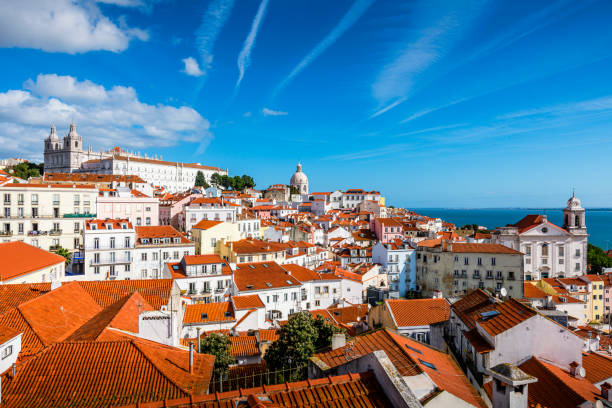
[[204, 316], [156, 240], [109, 226], [177, 240], [93, 226], [145, 240]]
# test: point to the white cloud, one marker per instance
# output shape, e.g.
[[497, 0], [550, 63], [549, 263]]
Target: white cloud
[[62, 26], [214, 19], [352, 15], [247, 114], [244, 58], [270, 112], [105, 117], [191, 67]]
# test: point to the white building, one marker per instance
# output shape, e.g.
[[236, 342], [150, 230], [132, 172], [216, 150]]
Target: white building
[[278, 289], [398, 261], [353, 197], [109, 249], [123, 202], [47, 216], [249, 227], [216, 209], [550, 251], [203, 278], [157, 246]]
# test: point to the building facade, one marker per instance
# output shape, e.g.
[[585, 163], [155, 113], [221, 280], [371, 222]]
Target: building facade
[[550, 251]]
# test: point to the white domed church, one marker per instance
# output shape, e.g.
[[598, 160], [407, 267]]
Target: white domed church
[[299, 180]]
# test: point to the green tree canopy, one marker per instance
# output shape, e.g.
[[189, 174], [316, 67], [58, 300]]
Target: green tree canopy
[[26, 170], [200, 180], [61, 251], [298, 340], [248, 181], [597, 259], [218, 345], [236, 183], [215, 179]]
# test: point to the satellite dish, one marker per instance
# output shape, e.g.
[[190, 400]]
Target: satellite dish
[[582, 372], [503, 292]]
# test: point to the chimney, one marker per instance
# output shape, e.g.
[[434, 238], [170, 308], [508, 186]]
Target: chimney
[[338, 341], [605, 391], [510, 386], [191, 358], [573, 367], [14, 370], [198, 339]]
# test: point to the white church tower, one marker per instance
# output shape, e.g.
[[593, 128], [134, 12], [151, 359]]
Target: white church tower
[[574, 217]]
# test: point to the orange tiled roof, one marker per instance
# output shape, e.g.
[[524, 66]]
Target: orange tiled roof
[[262, 275], [242, 302], [50, 186], [555, 387], [206, 224], [483, 248], [407, 356], [19, 258], [122, 315], [205, 313], [155, 291], [203, 259], [244, 346], [108, 373], [7, 333], [255, 246], [597, 366], [103, 224], [418, 312], [159, 231], [91, 178], [12, 295], [532, 291]]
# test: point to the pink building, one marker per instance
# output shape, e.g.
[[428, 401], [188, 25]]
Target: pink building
[[388, 229], [122, 202], [607, 280], [262, 211], [171, 205]]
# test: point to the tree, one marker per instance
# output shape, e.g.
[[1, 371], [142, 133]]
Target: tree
[[200, 180], [61, 251], [215, 179], [220, 346], [298, 340], [26, 170], [598, 259], [226, 181], [293, 190], [237, 183], [248, 181]]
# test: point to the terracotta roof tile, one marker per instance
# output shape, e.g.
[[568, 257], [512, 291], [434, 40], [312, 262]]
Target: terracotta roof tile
[[19, 258], [598, 367], [102, 374], [262, 275], [242, 302], [244, 346], [206, 224], [155, 291], [12, 295], [555, 388], [159, 231], [418, 312], [205, 313]]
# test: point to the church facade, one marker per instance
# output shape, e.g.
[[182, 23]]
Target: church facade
[[549, 251], [68, 156]]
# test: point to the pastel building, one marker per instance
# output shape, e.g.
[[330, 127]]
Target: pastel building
[[388, 229], [123, 202]]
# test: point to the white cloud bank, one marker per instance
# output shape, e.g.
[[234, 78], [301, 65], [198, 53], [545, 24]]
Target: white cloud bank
[[62, 26], [105, 117]]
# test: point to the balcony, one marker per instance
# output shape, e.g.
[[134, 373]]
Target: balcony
[[219, 290], [499, 278], [83, 215], [474, 276], [55, 232], [6, 233], [489, 276], [116, 261]]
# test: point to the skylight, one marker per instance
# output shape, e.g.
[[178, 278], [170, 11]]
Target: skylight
[[413, 349], [204, 316], [489, 315], [427, 364], [268, 284]]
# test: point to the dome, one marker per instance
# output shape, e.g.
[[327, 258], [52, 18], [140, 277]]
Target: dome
[[299, 180], [573, 202]]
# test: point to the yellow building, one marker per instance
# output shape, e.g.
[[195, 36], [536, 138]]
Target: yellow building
[[209, 236], [596, 295]]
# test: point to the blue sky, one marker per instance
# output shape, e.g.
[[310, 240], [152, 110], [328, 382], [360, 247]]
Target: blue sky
[[435, 103]]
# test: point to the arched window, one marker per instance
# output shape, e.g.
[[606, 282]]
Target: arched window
[[577, 220], [544, 249]]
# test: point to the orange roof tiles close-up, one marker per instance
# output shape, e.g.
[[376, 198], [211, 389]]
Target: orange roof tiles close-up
[[206, 224], [206, 313], [262, 275], [242, 302], [105, 373], [483, 248], [418, 312], [159, 231], [244, 346], [597, 366], [19, 259]]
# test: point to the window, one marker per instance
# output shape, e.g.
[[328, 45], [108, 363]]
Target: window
[[481, 285], [493, 261], [148, 220], [34, 199], [577, 252], [96, 243], [479, 261], [176, 255], [528, 250], [127, 242], [317, 303], [561, 251], [143, 256], [112, 242], [155, 256], [577, 266], [7, 351], [544, 249], [466, 261], [7, 199], [97, 270], [139, 221]]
